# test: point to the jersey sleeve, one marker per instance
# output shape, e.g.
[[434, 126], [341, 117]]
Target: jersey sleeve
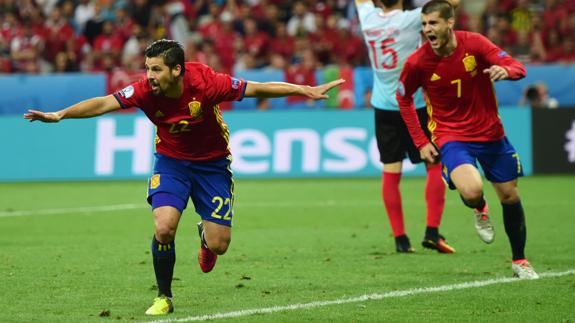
[[130, 96], [407, 86], [494, 55], [365, 9], [222, 87]]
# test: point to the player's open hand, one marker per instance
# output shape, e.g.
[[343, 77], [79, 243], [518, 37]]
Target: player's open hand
[[318, 92], [34, 115], [496, 73], [429, 153]]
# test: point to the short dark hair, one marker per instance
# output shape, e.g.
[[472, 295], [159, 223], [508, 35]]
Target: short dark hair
[[444, 7], [170, 50], [389, 3]]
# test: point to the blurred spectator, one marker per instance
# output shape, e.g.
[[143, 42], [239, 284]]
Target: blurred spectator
[[521, 16], [282, 43], [302, 72], [256, 43], [302, 22], [85, 11], [568, 51], [25, 49], [536, 96], [58, 31]]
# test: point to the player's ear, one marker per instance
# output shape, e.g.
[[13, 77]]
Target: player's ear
[[177, 70], [451, 23]]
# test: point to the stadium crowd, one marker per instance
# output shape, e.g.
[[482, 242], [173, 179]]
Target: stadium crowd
[[41, 36]]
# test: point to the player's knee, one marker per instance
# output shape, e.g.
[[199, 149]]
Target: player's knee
[[509, 197], [471, 193], [218, 244], [165, 233]]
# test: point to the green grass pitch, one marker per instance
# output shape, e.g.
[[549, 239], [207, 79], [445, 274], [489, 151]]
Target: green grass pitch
[[66, 255]]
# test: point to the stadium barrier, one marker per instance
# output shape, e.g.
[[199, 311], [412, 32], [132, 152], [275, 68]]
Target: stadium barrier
[[49, 92], [271, 144]]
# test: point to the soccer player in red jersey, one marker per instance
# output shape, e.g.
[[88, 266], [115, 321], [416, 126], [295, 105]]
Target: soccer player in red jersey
[[456, 71], [392, 34], [192, 149]]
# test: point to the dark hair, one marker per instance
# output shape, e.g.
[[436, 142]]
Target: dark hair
[[532, 93], [389, 3], [444, 7], [170, 50]]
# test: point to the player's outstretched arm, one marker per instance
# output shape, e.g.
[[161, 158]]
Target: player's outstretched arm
[[279, 89], [85, 109]]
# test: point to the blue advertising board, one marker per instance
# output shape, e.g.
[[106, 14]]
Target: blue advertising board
[[264, 144]]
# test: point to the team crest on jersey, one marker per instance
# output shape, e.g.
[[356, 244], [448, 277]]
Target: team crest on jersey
[[127, 92], [469, 63], [155, 181], [195, 109]]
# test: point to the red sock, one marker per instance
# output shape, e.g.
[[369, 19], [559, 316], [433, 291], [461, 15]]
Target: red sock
[[434, 195], [392, 201]]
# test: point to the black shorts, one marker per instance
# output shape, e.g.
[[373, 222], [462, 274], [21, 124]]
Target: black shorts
[[393, 139]]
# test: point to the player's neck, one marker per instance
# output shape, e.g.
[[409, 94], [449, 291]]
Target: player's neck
[[449, 47], [176, 91], [397, 6]]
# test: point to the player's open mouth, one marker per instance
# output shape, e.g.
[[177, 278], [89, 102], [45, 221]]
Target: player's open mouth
[[432, 39]]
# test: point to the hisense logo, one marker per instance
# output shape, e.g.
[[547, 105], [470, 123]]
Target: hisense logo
[[570, 145]]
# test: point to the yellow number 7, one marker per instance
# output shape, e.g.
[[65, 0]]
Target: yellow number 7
[[458, 82]]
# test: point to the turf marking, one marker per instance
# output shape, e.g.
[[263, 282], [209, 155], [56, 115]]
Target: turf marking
[[362, 298], [86, 209]]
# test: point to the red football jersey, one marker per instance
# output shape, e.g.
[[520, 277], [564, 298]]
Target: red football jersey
[[461, 101], [190, 127]]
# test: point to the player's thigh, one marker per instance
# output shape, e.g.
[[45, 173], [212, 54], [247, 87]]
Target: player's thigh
[[500, 161], [213, 192], [460, 170], [388, 129], [217, 234]]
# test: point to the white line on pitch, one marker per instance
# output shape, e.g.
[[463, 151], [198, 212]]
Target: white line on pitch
[[86, 209], [362, 298]]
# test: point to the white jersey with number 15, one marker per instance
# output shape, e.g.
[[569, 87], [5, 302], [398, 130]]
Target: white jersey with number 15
[[390, 37]]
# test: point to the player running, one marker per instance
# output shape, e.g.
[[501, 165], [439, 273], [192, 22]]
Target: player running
[[456, 70], [391, 35], [192, 149]]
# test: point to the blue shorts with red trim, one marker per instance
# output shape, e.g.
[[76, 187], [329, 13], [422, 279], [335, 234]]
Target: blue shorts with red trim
[[209, 184], [498, 159]]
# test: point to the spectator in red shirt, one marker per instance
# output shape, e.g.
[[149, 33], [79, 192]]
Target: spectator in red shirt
[[256, 43], [282, 43], [58, 31], [108, 42]]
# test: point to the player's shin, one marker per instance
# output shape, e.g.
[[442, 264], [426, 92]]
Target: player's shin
[[434, 195], [514, 221], [164, 259]]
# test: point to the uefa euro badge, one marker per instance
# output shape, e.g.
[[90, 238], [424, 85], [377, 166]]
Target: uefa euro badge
[[155, 181], [469, 63], [195, 109]]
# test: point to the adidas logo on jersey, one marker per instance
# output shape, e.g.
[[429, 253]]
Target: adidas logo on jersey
[[435, 77]]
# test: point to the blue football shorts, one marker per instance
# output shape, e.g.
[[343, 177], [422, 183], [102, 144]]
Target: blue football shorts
[[498, 159], [209, 184]]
